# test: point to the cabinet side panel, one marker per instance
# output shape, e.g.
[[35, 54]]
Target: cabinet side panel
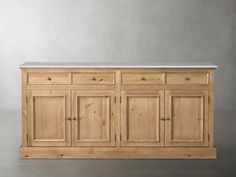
[[211, 109], [24, 107]]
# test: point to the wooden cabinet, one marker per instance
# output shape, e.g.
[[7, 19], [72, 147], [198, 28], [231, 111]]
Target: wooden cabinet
[[117, 113]]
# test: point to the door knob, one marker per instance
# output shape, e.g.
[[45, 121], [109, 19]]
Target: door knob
[[143, 78], [187, 78]]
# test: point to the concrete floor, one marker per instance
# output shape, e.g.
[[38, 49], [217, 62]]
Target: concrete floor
[[12, 166]]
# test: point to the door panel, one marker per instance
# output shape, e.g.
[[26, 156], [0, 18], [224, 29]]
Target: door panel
[[93, 122], [186, 118], [49, 111], [141, 115]]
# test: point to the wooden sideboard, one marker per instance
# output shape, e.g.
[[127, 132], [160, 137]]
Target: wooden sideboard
[[117, 111]]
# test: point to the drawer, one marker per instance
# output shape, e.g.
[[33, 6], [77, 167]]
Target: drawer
[[94, 78], [187, 78], [49, 78], [142, 78]]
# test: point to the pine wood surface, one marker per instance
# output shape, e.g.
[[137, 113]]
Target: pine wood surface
[[111, 113]]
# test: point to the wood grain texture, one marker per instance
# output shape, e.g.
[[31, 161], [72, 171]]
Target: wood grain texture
[[49, 118], [93, 78], [141, 115], [211, 108], [187, 78], [49, 78], [118, 109], [114, 153], [186, 118], [24, 112], [93, 118], [117, 113], [142, 78]]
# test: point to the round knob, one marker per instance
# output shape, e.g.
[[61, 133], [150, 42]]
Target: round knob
[[143, 78], [69, 119], [49, 78], [101, 79], [187, 78], [93, 79]]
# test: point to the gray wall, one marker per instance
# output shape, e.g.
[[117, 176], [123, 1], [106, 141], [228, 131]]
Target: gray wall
[[118, 30]]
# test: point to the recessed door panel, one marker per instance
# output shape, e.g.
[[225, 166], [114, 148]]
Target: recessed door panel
[[141, 115], [49, 111], [186, 118], [93, 118]]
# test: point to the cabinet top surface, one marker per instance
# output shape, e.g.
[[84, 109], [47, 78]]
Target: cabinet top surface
[[115, 65]]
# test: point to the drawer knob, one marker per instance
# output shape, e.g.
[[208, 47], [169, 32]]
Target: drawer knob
[[93, 79], [143, 78], [101, 79], [69, 119], [49, 78], [168, 118], [187, 78]]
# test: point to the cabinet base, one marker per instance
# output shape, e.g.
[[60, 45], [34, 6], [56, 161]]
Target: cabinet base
[[115, 153]]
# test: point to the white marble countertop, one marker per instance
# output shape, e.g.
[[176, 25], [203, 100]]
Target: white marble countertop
[[115, 65]]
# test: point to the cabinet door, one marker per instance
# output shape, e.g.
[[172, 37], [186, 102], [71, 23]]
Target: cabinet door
[[49, 114], [93, 118], [186, 114], [142, 117]]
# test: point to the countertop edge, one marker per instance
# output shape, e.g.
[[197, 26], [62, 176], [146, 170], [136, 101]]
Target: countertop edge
[[125, 67]]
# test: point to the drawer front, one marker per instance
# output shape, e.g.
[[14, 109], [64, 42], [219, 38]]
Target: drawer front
[[49, 78], [94, 78], [187, 78], [142, 78]]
